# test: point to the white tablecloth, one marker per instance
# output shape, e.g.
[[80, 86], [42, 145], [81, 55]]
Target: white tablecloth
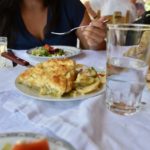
[[86, 124]]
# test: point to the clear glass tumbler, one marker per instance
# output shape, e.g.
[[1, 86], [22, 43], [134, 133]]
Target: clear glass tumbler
[[3, 48], [128, 59]]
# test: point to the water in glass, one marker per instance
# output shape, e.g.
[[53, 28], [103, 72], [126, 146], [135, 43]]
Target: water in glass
[[125, 83]]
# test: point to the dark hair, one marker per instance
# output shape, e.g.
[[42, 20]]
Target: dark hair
[[8, 10], [7, 17]]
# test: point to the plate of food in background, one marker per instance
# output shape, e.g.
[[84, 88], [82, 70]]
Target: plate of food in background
[[46, 52], [28, 141], [60, 80]]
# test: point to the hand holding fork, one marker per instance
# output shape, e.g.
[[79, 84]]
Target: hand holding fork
[[91, 36], [73, 29], [95, 34], [80, 27]]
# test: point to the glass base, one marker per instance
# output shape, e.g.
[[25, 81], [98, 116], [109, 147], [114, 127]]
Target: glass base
[[5, 63], [122, 109]]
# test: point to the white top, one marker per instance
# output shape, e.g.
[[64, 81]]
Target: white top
[[86, 124], [108, 7]]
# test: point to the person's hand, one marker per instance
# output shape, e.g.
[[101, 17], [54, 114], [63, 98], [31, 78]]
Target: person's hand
[[95, 34]]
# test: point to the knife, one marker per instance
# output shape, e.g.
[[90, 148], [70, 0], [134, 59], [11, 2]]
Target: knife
[[11, 56]]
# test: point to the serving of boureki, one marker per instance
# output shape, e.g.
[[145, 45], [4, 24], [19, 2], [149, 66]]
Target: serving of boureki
[[62, 77]]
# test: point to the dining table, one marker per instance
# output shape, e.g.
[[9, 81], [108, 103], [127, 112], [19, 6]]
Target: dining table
[[86, 123]]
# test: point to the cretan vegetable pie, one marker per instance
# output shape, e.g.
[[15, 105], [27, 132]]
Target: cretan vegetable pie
[[58, 77]]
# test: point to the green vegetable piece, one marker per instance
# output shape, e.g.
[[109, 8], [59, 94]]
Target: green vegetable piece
[[7, 146]]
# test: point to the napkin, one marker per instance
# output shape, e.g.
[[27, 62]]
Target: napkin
[[72, 121]]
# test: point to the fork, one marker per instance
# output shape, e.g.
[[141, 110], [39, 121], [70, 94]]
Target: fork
[[67, 32], [73, 29]]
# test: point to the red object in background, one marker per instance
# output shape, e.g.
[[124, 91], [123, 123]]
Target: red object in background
[[48, 47], [34, 145]]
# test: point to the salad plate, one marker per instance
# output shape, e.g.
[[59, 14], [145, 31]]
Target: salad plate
[[46, 52]]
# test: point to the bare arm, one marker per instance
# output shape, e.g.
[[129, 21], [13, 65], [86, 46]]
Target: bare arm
[[89, 9]]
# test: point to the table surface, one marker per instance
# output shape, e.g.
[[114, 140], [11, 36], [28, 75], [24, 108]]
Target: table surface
[[90, 118]]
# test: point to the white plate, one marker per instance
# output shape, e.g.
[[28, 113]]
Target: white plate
[[69, 52], [12, 138], [34, 94]]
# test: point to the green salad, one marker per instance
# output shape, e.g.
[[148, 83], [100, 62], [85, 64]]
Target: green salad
[[7, 146], [48, 51]]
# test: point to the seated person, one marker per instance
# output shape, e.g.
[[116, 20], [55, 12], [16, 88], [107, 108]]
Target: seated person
[[29, 23], [139, 9], [144, 19], [108, 7]]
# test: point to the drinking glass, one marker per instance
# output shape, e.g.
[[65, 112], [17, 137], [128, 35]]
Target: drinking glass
[[3, 48], [128, 53]]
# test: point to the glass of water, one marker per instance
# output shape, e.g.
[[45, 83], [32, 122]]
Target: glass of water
[[3, 48], [128, 59]]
